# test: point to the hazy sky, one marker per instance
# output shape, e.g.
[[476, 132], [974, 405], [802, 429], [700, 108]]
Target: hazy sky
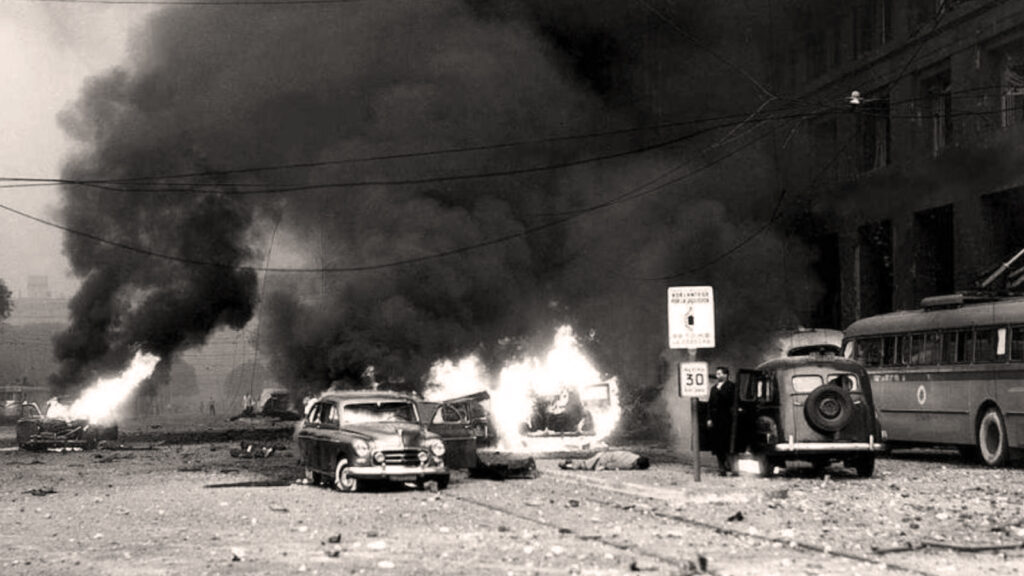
[[46, 51]]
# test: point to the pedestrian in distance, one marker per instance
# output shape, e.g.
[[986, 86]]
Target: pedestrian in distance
[[721, 403]]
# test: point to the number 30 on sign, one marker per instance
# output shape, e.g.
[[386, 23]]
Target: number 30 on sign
[[693, 379]]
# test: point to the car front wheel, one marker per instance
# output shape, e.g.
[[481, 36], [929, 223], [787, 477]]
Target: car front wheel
[[342, 481]]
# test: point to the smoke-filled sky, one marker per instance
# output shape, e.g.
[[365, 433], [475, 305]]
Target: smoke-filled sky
[[444, 176]]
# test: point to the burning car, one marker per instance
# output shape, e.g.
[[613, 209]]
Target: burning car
[[36, 431], [347, 438]]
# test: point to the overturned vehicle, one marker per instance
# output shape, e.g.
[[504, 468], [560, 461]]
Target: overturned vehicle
[[36, 431]]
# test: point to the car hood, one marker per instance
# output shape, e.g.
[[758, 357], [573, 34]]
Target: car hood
[[390, 434]]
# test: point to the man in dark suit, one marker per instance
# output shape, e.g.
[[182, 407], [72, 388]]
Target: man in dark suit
[[721, 407]]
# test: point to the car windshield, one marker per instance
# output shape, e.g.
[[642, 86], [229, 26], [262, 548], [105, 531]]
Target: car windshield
[[378, 412]]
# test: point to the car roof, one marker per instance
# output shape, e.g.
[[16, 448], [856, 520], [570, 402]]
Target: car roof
[[364, 395], [812, 360]]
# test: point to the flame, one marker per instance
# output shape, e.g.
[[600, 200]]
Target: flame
[[564, 369], [100, 402]]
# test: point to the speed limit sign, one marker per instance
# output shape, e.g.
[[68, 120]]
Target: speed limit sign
[[693, 379]]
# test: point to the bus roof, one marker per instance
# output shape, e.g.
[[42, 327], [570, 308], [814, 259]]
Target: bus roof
[[994, 312]]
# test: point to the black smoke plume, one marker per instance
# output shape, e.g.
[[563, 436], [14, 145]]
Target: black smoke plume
[[262, 99]]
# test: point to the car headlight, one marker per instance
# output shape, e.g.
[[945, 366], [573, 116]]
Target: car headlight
[[437, 448], [378, 457], [361, 448]]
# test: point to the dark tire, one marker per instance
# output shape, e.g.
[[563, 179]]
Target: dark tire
[[442, 482], [969, 453], [828, 409], [992, 446], [342, 481], [865, 466]]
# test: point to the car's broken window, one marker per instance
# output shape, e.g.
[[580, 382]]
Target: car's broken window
[[806, 383]]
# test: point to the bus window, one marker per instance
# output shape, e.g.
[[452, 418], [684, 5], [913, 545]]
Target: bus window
[[903, 347], [1017, 343], [985, 341], [869, 351], [949, 348], [916, 344], [962, 343], [931, 349], [804, 384], [890, 354]]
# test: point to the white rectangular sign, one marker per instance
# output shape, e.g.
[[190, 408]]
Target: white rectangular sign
[[691, 317], [693, 380]]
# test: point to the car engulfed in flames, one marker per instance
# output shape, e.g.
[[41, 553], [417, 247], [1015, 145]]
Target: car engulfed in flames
[[36, 431]]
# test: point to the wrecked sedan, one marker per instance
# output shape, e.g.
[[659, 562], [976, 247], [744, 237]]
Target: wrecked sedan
[[36, 431], [348, 438]]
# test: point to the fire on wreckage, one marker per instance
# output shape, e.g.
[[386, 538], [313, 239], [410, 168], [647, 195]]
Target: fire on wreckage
[[36, 431]]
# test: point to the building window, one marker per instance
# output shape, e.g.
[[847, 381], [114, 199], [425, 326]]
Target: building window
[[874, 128], [939, 106], [874, 262], [1012, 87], [816, 55], [872, 25]]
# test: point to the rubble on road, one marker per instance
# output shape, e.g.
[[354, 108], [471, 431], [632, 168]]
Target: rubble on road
[[250, 450], [496, 465]]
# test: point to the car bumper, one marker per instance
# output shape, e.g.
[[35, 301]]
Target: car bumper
[[830, 447], [397, 473]]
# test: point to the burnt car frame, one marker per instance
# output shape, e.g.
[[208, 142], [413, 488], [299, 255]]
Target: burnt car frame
[[347, 438], [35, 431], [811, 406]]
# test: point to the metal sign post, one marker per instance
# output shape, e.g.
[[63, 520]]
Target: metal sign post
[[693, 384], [691, 325]]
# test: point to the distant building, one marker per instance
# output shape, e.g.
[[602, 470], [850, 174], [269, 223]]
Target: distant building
[[39, 287], [914, 186]]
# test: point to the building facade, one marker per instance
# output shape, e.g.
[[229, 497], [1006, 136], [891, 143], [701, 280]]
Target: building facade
[[906, 164]]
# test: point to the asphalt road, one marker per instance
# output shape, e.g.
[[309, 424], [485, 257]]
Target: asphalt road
[[196, 509]]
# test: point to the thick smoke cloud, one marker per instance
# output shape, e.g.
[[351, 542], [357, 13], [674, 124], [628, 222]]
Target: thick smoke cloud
[[221, 89]]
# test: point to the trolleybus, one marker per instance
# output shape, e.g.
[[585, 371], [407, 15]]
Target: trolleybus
[[951, 372]]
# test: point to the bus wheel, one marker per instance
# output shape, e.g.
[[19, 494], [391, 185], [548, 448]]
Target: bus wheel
[[992, 438]]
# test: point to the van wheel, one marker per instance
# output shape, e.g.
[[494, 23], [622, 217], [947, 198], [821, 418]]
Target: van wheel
[[342, 481], [992, 438], [865, 466]]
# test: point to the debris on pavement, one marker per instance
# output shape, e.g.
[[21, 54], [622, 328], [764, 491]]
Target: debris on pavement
[[250, 450], [496, 465], [45, 490]]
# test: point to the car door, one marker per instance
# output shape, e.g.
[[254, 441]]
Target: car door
[[457, 433], [307, 437]]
